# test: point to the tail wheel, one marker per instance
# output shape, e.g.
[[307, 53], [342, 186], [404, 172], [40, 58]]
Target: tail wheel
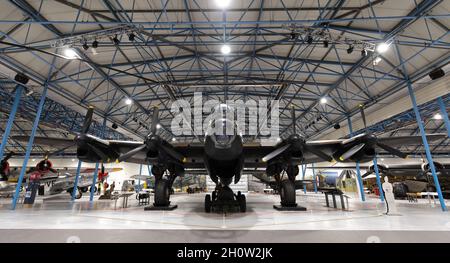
[[242, 203], [208, 203], [287, 193], [162, 194]]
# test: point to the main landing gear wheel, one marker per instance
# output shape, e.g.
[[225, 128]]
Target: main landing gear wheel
[[242, 202], [287, 193], [162, 193], [208, 203]]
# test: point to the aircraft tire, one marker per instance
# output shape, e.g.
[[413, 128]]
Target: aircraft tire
[[79, 195], [242, 203], [84, 189], [208, 203], [287, 193], [214, 195], [162, 193]]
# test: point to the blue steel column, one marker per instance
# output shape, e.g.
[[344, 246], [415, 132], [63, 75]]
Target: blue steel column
[[12, 115], [425, 144], [94, 182], [94, 179], [443, 113], [139, 181], [75, 184], [377, 174], [303, 177], [29, 146], [358, 172], [314, 178]]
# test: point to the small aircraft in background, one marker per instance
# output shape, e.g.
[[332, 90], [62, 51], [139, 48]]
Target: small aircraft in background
[[58, 179]]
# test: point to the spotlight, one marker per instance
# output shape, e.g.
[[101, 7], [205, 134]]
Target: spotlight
[[309, 39], [349, 49], [21, 78], [116, 40], [363, 53], [325, 43], [85, 46], [278, 139], [131, 37], [69, 53], [337, 126], [437, 116], [174, 139], [223, 3], [225, 49], [158, 126], [95, 44], [114, 126], [293, 36], [128, 101], [383, 47], [323, 100]]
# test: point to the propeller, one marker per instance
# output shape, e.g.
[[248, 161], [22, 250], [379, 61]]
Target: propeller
[[153, 143], [4, 165], [295, 142], [367, 139]]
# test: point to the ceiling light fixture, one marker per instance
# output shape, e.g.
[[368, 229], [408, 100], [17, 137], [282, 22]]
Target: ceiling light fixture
[[174, 139], [85, 46], [225, 49], [158, 126], [326, 43], [383, 47], [116, 40], [437, 116], [95, 44], [363, 53], [223, 3], [309, 39], [70, 53], [128, 101], [323, 100], [131, 37], [349, 49], [376, 61]]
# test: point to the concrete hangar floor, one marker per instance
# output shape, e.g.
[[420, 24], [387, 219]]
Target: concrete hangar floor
[[100, 221]]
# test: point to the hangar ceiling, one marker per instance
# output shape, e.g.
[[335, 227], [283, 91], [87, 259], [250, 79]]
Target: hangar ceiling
[[177, 51]]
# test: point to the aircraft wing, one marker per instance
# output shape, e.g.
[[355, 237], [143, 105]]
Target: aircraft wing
[[50, 142]]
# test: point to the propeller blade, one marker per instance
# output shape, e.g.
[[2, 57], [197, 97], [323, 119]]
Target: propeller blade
[[363, 116], [173, 153], [391, 150], [8, 156], [131, 153], [48, 154], [87, 120], [366, 174], [275, 153], [318, 153], [293, 119], [155, 120], [351, 152]]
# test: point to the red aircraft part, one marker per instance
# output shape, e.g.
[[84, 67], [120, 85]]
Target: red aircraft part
[[102, 176]]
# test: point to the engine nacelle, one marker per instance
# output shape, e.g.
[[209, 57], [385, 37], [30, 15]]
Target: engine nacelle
[[426, 167], [365, 154], [382, 169]]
